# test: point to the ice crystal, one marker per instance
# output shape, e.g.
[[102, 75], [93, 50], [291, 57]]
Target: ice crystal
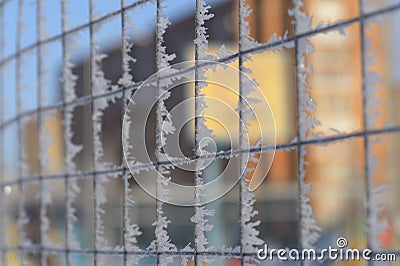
[[201, 131], [249, 233], [69, 80], [306, 106], [164, 127], [376, 225]]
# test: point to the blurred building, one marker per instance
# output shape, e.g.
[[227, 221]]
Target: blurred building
[[336, 87], [179, 40], [336, 171]]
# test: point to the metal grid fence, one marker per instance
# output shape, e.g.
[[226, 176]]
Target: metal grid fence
[[163, 250]]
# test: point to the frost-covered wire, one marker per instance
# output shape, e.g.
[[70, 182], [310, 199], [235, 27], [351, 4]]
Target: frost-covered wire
[[130, 229], [370, 88], [200, 218], [71, 150], [23, 219], [45, 141], [249, 240], [98, 84], [103, 94], [308, 228], [164, 127]]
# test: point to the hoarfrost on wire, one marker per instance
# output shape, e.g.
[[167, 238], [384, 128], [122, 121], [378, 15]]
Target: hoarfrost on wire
[[249, 235], [99, 85], [45, 144], [132, 231], [69, 81], [376, 225], [201, 131], [250, 240], [302, 23], [162, 241]]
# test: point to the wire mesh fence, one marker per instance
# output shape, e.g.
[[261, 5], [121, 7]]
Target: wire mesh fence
[[71, 191]]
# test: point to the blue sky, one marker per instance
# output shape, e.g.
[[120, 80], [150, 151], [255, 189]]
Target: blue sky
[[109, 35]]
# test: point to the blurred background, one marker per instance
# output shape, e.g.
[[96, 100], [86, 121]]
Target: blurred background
[[335, 170]]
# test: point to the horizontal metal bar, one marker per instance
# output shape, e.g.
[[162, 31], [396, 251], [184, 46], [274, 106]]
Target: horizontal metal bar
[[219, 155]]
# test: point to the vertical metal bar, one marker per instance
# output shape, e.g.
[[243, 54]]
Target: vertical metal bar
[[125, 209], [158, 124], [65, 142], [42, 207], [91, 68], [125, 181], [21, 186], [367, 148], [197, 108], [300, 147], [241, 129]]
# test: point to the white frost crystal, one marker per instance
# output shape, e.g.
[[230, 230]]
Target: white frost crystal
[[201, 131], [376, 225], [302, 22], [249, 232], [164, 127]]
